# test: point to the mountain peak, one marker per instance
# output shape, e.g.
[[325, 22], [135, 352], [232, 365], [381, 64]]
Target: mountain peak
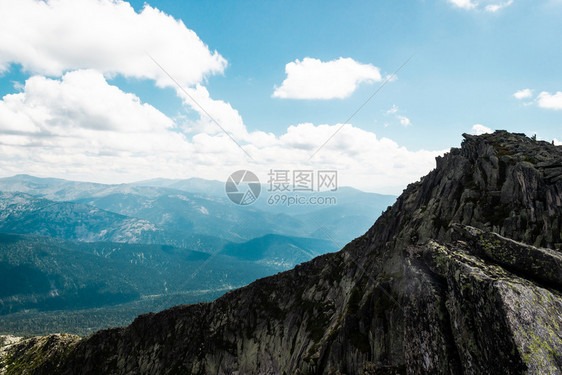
[[501, 182]]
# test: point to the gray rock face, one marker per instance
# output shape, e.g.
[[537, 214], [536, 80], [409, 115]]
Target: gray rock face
[[461, 275]]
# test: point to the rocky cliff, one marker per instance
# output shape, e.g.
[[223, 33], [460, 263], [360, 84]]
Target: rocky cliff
[[463, 274]]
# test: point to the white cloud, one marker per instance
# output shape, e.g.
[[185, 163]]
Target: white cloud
[[523, 94], [465, 4], [550, 101], [480, 129], [314, 79], [392, 110], [543, 100], [487, 5], [81, 127], [53, 36], [498, 6], [404, 121], [557, 142], [81, 111], [361, 157]]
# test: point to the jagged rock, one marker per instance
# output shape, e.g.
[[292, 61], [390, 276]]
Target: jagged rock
[[460, 275], [499, 322], [542, 265]]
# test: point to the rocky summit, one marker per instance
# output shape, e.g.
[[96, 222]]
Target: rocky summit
[[462, 275]]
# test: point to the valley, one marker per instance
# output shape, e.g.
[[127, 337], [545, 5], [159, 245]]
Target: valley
[[81, 257]]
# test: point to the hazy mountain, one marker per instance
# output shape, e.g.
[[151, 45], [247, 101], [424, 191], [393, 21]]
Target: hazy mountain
[[190, 213], [56, 189], [352, 213], [178, 220], [352, 216], [192, 185], [281, 252], [198, 206], [22, 213], [461, 275], [165, 209]]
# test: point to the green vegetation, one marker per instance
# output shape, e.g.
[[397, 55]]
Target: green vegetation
[[61, 285]]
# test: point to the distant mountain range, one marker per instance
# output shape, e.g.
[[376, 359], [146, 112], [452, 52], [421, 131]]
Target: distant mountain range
[[67, 245], [171, 207]]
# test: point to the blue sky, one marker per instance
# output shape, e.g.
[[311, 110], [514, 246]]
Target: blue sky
[[468, 61], [466, 66]]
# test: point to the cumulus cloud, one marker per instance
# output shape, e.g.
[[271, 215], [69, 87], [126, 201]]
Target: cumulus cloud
[[83, 110], [82, 99], [53, 36], [80, 126], [362, 158], [523, 94], [487, 5], [315, 79], [550, 101], [480, 129]]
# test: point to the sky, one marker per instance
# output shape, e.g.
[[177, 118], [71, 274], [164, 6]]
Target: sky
[[114, 91]]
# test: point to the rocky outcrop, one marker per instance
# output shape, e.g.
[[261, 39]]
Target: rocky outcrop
[[27, 356], [499, 322], [461, 275]]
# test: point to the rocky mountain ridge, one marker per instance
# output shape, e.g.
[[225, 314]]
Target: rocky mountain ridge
[[461, 275]]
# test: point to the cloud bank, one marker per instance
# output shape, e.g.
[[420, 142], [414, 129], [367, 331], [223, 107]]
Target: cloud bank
[[81, 126]]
